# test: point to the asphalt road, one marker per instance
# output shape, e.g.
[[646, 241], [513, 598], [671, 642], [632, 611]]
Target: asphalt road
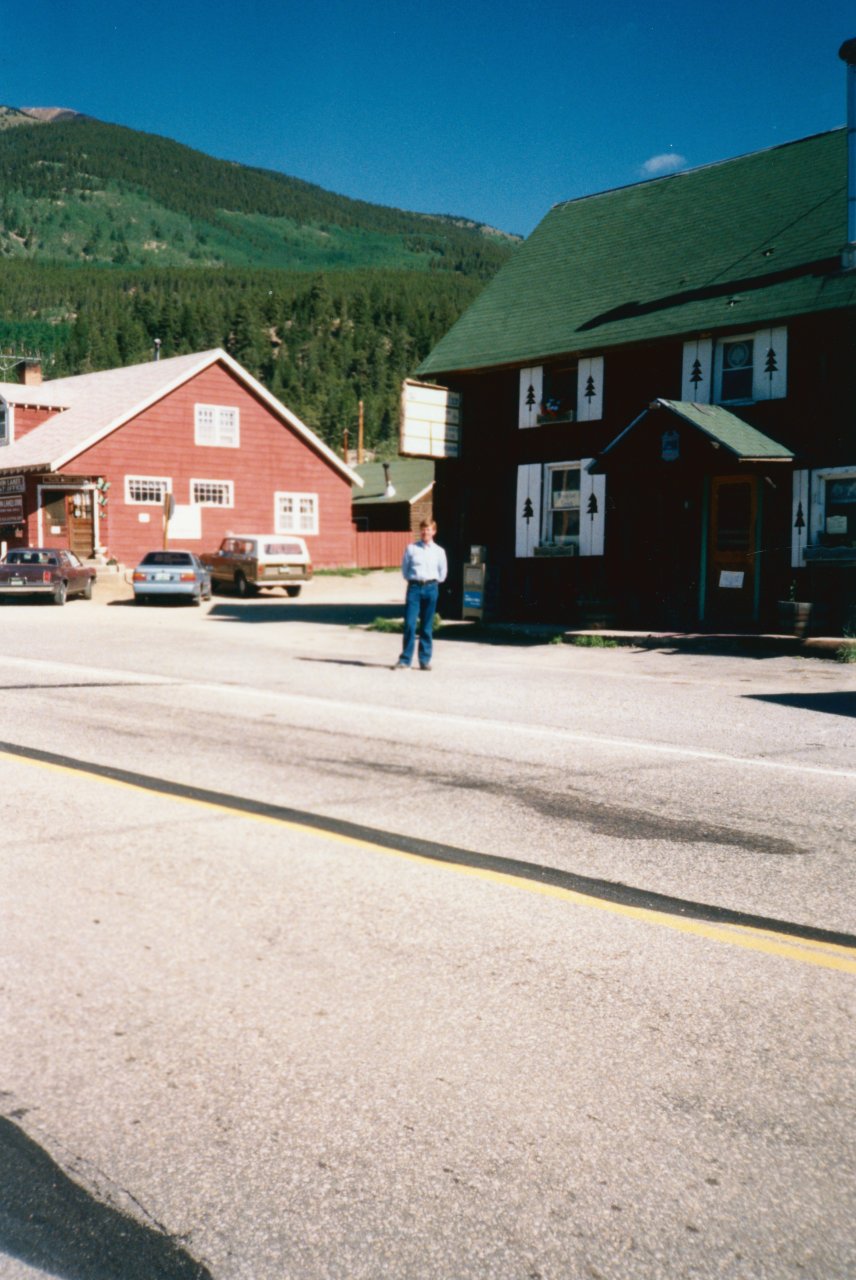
[[537, 965]]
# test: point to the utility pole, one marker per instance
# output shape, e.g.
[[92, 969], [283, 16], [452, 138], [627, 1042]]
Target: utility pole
[[360, 436], [345, 446]]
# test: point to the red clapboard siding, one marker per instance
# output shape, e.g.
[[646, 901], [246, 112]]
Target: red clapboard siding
[[272, 457]]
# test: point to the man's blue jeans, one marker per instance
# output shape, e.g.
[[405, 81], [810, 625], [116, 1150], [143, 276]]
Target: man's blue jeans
[[420, 606]]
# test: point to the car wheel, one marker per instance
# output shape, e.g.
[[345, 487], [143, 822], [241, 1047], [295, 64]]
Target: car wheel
[[87, 590], [60, 594], [243, 587], [293, 591]]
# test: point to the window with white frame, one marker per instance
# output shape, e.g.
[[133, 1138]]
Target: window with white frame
[[217, 426], [212, 493], [833, 522], [561, 505], [5, 423], [147, 490], [560, 509], [751, 366], [296, 512]]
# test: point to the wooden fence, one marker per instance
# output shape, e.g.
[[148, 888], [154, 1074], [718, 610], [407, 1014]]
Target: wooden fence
[[380, 550]]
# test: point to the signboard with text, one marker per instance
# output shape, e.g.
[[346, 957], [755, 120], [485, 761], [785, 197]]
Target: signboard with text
[[11, 509], [430, 421]]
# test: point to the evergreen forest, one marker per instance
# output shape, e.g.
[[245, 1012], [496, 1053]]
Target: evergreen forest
[[112, 241]]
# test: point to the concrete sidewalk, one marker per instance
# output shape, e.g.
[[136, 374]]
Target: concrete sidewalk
[[385, 589]]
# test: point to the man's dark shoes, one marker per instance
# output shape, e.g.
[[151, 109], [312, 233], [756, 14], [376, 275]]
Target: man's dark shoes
[[424, 666]]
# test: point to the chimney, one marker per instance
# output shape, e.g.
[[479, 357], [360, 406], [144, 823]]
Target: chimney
[[31, 373], [847, 53], [389, 487]]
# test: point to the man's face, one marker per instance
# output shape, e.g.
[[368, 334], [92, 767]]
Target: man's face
[[426, 533]]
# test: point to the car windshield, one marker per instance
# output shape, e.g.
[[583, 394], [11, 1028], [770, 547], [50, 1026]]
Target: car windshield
[[31, 557], [168, 557], [283, 549]]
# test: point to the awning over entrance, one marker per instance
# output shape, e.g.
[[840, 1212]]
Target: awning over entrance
[[723, 428]]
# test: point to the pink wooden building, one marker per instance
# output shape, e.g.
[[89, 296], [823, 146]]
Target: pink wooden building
[[99, 461]]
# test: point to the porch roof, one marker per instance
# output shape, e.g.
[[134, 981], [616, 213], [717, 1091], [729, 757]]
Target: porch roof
[[722, 427]]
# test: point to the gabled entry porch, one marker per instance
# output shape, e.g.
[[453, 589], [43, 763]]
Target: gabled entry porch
[[697, 517]]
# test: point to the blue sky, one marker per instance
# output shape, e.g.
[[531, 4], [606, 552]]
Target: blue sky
[[489, 110]]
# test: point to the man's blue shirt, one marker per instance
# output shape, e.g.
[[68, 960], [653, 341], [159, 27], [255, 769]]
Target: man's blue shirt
[[423, 562]]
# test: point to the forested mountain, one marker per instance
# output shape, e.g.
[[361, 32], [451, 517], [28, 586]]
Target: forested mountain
[[82, 191], [110, 239]]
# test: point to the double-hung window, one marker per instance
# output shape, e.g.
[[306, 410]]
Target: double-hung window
[[296, 512], [217, 426], [560, 509], [738, 368], [5, 423], [562, 506]]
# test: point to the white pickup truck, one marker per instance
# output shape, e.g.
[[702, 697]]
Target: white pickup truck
[[248, 562]]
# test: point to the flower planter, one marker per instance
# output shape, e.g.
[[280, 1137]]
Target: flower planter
[[794, 617]]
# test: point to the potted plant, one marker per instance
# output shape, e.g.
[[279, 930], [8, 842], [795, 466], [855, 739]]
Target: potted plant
[[794, 615]]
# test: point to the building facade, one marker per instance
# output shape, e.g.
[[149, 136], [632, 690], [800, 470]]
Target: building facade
[[189, 448], [658, 402]]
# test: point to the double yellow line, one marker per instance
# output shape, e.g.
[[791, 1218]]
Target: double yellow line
[[797, 946]]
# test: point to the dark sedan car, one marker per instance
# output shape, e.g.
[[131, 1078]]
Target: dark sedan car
[[173, 574], [52, 572]]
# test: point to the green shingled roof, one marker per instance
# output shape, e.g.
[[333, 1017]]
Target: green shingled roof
[[746, 442], [744, 242]]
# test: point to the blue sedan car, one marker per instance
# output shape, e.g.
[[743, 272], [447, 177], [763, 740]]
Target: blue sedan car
[[171, 574]]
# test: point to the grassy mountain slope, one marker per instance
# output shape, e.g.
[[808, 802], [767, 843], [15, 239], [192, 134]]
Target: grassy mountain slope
[[82, 191]]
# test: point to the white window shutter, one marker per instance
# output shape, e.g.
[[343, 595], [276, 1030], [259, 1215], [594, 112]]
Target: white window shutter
[[590, 389], [531, 394], [528, 509], [770, 377], [800, 518], [697, 371], [592, 511]]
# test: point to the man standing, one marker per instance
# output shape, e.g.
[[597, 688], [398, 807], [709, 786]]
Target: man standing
[[424, 567]]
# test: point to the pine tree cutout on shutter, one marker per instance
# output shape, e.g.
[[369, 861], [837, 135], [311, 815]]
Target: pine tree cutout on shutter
[[531, 384], [695, 382]]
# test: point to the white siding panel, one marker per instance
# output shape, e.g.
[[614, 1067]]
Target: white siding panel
[[531, 393], [770, 377], [800, 517], [590, 389], [528, 515], [592, 511], [697, 375]]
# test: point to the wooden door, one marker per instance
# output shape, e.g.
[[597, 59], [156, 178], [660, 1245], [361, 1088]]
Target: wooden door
[[732, 550], [81, 533]]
